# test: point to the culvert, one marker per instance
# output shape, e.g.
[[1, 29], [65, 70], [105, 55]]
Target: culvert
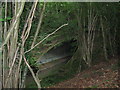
[[51, 62]]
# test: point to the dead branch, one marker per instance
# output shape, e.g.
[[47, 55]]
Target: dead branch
[[46, 37]]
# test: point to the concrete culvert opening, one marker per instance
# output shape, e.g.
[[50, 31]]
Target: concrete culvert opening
[[52, 61]]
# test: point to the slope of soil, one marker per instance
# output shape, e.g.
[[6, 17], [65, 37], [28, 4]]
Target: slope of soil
[[102, 75]]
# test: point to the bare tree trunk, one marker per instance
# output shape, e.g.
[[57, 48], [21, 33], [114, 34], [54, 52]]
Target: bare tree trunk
[[13, 51], [10, 46], [39, 25], [4, 64], [104, 39], [86, 36], [0, 46]]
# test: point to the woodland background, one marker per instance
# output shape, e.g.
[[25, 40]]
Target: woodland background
[[29, 30]]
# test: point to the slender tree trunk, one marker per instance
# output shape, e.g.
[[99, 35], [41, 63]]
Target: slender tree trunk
[[39, 25], [0, 46], [104, 39], [10, 46], [86, 36], [5, 59], [13, 51]]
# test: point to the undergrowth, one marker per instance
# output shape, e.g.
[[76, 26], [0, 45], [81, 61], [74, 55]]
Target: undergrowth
[[66, 72]]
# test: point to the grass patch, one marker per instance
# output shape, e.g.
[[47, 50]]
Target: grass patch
[[65, 73], [32, 85]]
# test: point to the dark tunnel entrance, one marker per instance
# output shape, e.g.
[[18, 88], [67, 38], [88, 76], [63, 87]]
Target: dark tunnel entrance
[[64, 50], [55, 58]]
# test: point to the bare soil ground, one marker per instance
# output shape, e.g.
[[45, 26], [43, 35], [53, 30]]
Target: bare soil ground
[[102, 75]]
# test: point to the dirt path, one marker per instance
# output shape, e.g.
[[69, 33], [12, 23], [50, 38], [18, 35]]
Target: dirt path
[[103, 75]]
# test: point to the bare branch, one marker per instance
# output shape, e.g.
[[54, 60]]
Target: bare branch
[[33, 74], [46, 37]]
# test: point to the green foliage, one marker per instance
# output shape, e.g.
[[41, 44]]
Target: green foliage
[[8, 18], [57, 14], [31, 85], [63, 74]]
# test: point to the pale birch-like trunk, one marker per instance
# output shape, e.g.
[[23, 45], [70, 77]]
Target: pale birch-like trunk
[[39, 25], [10, 46], [13, 51], [86, 36], [104, 39], [1, 29]]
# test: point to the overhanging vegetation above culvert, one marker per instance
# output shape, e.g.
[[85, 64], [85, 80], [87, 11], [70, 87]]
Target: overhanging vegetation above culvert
[[55, 54]]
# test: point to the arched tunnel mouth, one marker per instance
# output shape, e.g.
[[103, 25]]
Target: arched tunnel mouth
[[56, 57], [64, 50]]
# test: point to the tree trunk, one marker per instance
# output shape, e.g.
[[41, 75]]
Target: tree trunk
[[0, 49], [10, 46], [39, 26], [104, 39]]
